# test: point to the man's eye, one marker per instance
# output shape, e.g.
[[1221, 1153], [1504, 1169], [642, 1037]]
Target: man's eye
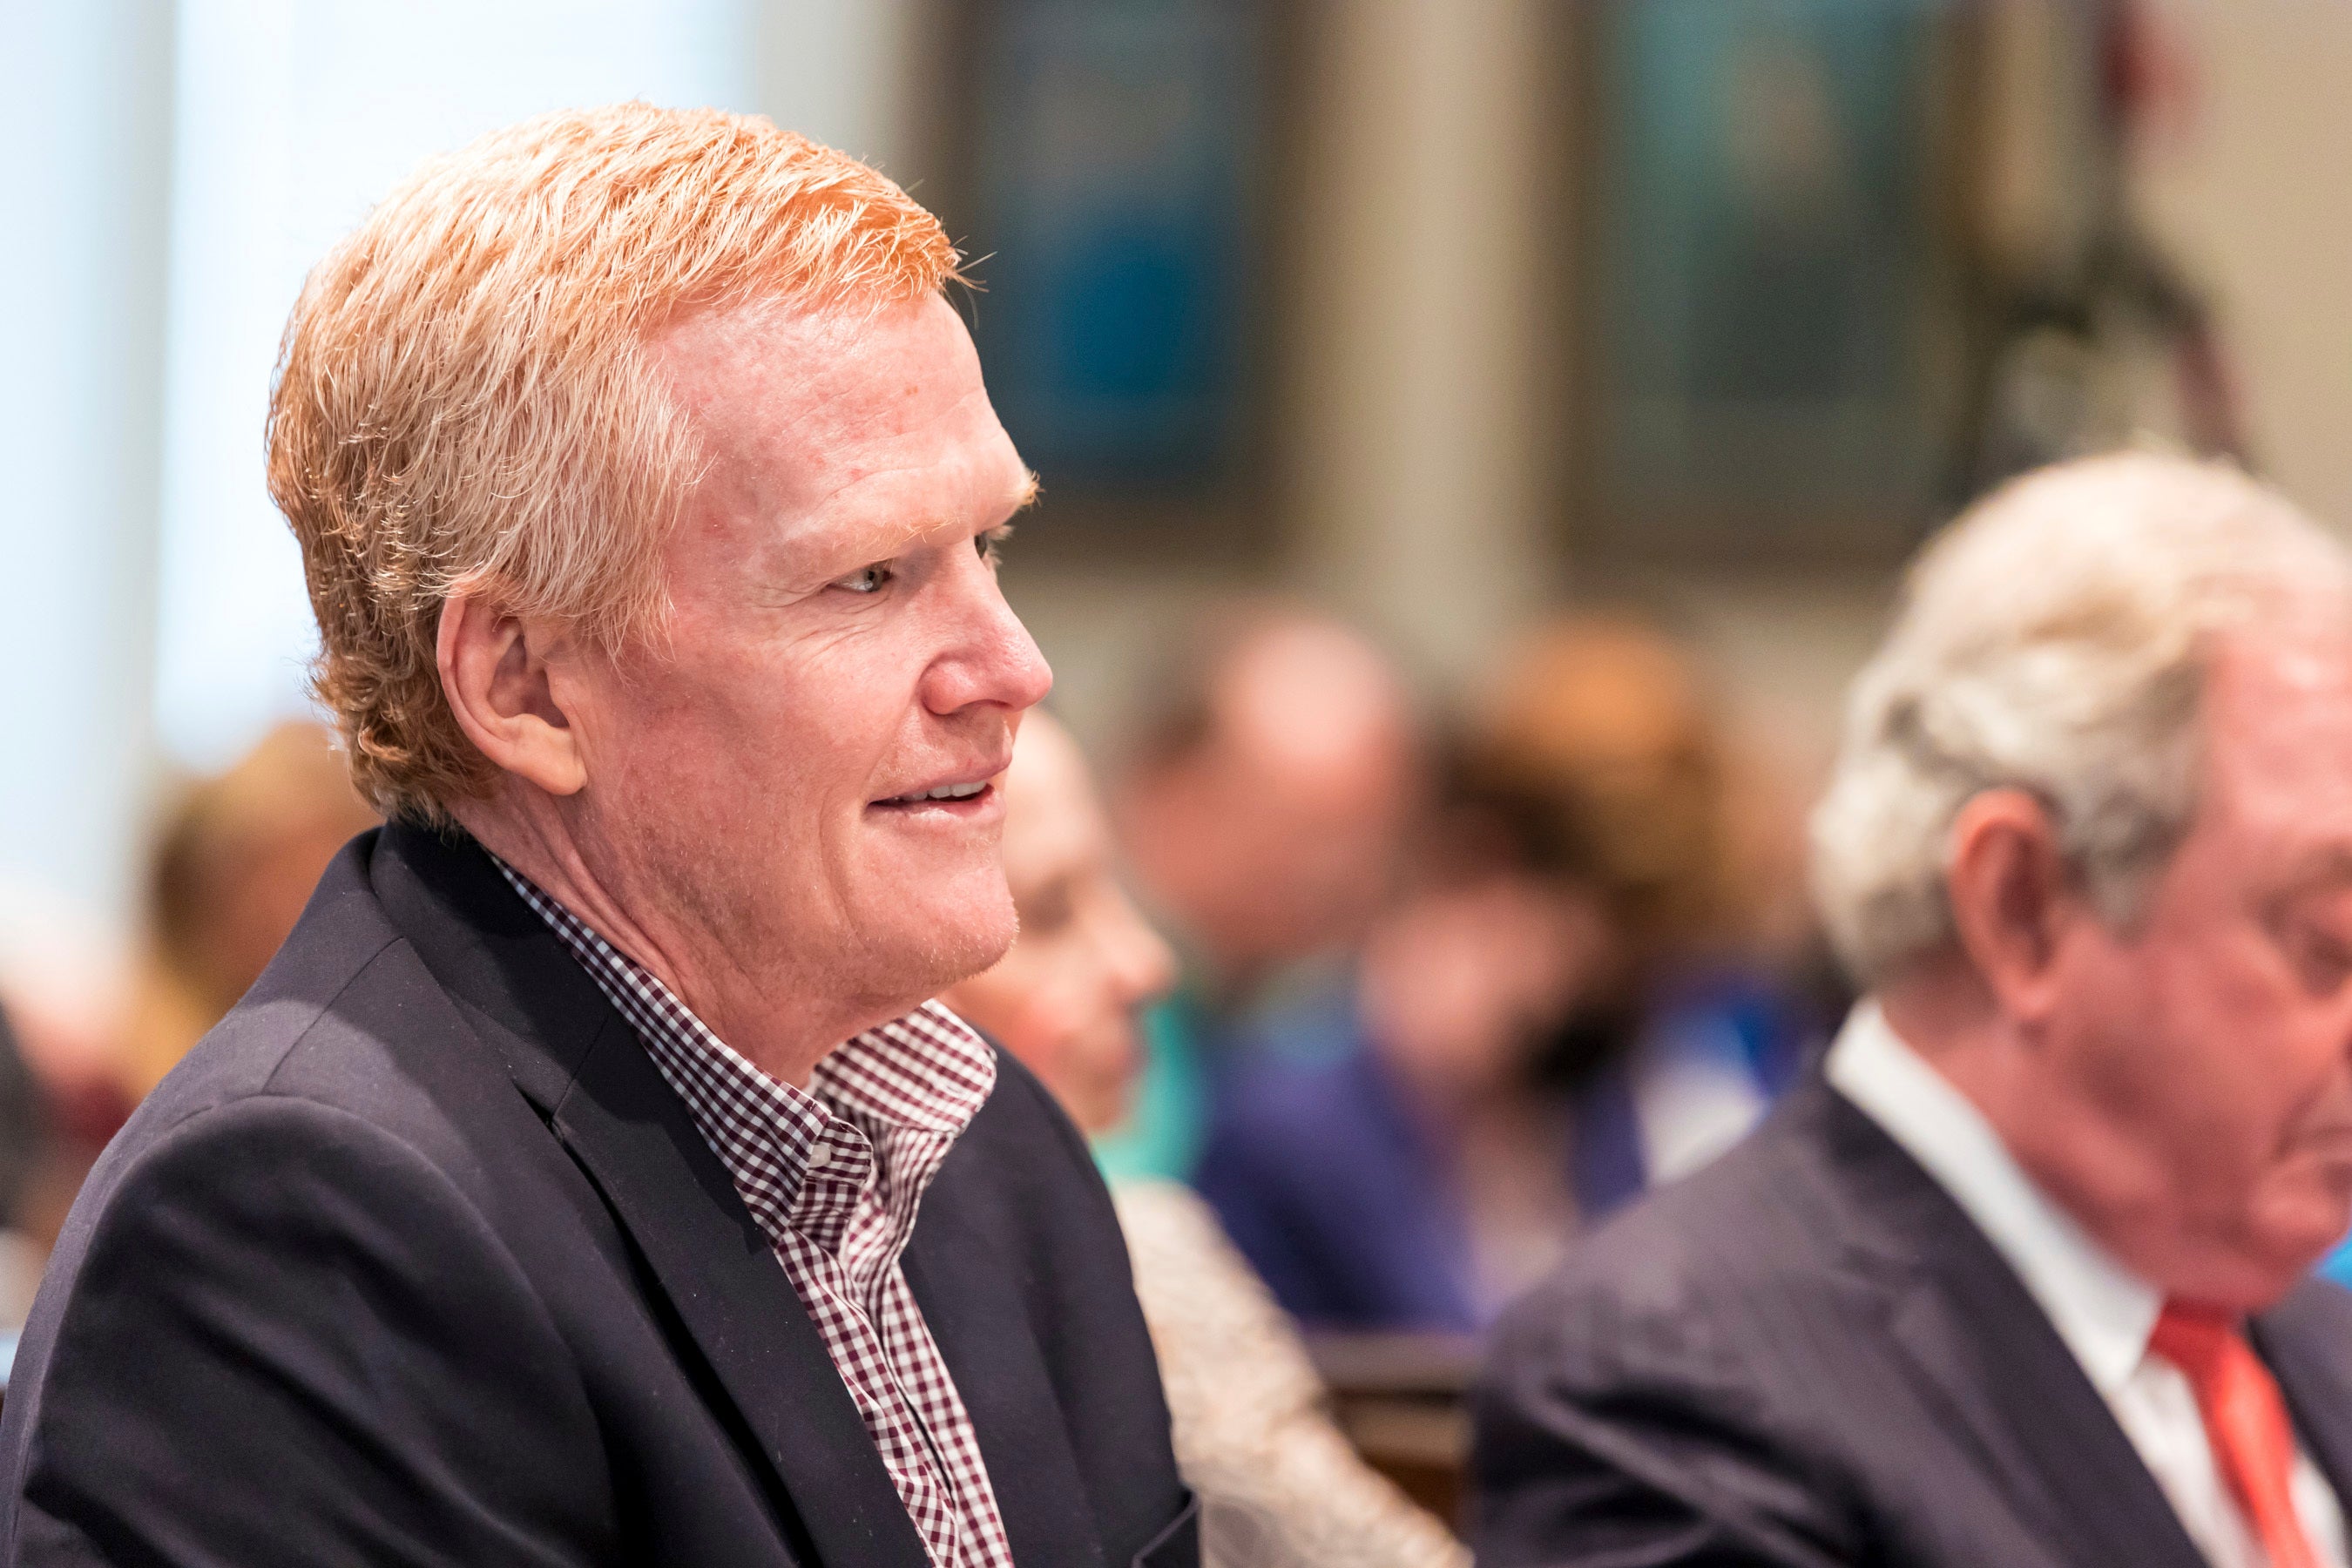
[[864, 580], [991, 544]]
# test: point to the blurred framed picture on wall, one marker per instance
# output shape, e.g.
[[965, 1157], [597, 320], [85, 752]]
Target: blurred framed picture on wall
[[1767, 291], [1106, 162]]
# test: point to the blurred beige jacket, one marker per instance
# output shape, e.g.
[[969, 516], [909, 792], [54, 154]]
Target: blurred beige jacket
[[1279, 1485]]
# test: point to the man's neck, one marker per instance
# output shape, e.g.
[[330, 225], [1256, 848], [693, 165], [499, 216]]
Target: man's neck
[[2089, 1163], [772, 1024]]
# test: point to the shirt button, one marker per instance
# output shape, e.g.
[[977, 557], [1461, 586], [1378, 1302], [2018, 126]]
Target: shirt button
[[820, 1155]]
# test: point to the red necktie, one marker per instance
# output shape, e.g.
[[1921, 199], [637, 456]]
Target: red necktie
[[2245, 1421]]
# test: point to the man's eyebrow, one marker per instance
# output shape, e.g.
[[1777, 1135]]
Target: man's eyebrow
[[1023, 499], [883, 539]]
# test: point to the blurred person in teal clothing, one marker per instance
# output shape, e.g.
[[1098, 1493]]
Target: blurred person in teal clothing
[[1264, 807]]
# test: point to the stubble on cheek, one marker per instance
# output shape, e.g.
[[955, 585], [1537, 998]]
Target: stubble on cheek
[[694, 833]]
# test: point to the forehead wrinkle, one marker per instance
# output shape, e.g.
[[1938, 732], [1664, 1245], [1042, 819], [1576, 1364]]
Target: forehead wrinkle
[[911, 436]]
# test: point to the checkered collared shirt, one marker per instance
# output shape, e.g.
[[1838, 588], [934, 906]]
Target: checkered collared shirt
[[833, 1177]]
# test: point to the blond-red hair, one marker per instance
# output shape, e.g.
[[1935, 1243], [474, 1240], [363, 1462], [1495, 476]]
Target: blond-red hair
[[463, 403]]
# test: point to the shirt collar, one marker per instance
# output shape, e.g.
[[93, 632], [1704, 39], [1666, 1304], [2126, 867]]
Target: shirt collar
[[2102, 1310], [928, 1070], [927, 1073]]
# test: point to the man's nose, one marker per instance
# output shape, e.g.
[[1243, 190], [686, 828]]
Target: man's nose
[[1027, 677], [993, 658]]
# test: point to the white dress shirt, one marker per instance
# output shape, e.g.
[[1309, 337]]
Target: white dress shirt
[[2103, 1313]]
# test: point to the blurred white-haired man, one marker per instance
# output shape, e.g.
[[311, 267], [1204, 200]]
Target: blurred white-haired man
[[2022, 1278]]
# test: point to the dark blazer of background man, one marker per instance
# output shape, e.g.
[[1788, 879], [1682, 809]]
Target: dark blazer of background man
[[2022, 1278], [588, 1181]]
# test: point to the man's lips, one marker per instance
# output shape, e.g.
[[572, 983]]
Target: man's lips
[[948, 796], [954, 788]]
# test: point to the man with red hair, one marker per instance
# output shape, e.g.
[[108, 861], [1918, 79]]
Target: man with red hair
[[590, 1178]]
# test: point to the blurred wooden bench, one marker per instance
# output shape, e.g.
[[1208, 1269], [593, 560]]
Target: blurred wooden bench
[[1404, 1401]]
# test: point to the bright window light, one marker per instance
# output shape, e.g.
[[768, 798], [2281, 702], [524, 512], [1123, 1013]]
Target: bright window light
[[289, 119]]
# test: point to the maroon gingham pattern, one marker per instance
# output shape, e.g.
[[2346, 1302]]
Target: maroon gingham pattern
[[833, 1177]]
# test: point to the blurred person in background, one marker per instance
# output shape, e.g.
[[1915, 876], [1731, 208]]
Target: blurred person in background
[[236, 857], [2023, 1276], [1417, 1178], [1708, 1010], [1279, 1486], [1567, 1006], [64, 994], [1263, 806], [27, 1144]]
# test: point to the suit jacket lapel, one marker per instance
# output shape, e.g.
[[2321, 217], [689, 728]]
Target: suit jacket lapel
[[1988, 1354], [2037, 1420], [971, 1305], [581, 1065]]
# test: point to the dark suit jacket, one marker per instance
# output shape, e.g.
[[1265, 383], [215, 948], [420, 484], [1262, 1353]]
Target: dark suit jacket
[[1807, 1354], [418, 1259]]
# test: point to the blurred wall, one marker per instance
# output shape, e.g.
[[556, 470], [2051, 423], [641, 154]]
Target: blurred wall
[[841, 71], [2237, 178], [1424, 478], [2254, 194], [1416, 475], [1423, 335], [86, 109]]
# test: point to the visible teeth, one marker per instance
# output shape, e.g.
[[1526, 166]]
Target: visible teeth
[[948, 791]]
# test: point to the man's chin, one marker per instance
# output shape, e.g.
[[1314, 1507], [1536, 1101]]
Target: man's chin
[[983, 950], [2284, 1245], [951, 946]]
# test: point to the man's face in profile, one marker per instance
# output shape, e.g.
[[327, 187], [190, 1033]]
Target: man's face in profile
[[2220, 1030], [805, 765]]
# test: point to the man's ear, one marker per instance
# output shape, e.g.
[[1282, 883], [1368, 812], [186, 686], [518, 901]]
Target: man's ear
[[2012, 895], [495, 672]]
